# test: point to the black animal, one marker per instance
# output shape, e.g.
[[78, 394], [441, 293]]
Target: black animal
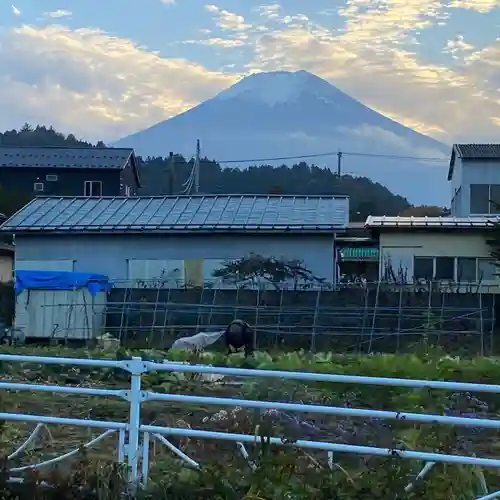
[[239, 334]]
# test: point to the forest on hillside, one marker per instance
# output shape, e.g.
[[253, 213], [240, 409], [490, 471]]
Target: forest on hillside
[[161, 176]]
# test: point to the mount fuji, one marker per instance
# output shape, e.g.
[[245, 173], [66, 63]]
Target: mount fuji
[[285, 114]]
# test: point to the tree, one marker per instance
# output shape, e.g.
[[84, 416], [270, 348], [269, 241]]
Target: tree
[[424, 211], [256, 268], [365, 197]]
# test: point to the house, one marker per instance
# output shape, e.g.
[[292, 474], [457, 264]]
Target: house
[[474, 174], [453, 249], [180, 239], [69, 171], [446, 249]]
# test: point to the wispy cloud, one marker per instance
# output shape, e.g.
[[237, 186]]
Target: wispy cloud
[[483, 6], [458, 47], [56, 14], [270, 10], [228, 21], [16, 11], [216, 42]]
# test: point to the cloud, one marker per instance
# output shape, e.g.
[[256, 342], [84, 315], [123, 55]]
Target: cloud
[[458, 47], [168, 2], [228, 21], [16, 11], [482, 6], [95, 85], [271, 11], [56, 14], [216, 42]]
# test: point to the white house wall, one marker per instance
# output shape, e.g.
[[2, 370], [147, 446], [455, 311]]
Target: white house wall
[[49, 264], [112, 254], [456, 189], [400, 248]]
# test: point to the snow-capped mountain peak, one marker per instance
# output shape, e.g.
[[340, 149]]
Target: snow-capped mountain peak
[[282, 113], [277, 87]]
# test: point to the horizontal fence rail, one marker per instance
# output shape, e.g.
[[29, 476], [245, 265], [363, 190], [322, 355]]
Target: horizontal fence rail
[[134, 438]]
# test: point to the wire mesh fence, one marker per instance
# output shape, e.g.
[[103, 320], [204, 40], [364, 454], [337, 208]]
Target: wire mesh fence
[[372, 317]]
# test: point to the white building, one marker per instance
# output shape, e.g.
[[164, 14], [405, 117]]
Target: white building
[[475, 179]]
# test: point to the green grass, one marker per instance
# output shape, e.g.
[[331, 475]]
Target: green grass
[[282, 473]]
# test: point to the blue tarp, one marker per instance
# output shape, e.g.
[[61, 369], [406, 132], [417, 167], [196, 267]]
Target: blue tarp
[[60, 280]]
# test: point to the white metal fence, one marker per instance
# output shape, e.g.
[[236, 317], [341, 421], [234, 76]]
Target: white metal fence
[[134, 438]]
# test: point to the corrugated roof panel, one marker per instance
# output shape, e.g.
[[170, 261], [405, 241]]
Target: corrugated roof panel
[[37, 216], [149, 212], [430, 222], [478, 151], [182, 213]]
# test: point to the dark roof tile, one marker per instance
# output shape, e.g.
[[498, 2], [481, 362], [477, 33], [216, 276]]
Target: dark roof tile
[[51, 157]]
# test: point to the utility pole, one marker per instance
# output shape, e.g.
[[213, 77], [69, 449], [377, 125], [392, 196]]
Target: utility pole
[[171, 173], [197, 168], [339, 163]]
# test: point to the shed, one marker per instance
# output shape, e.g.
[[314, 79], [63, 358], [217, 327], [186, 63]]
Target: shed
[[60, 304], [168, 241]]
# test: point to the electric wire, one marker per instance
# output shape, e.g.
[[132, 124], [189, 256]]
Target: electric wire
[[337, 153]]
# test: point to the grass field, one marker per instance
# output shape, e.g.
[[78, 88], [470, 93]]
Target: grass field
[[282, 473]]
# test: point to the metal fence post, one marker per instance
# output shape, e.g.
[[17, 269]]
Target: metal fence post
[[136, 368]]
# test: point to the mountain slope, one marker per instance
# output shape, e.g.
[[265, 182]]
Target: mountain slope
[[297, 113]]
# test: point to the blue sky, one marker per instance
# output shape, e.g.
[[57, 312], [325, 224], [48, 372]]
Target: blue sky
[[103, 69]]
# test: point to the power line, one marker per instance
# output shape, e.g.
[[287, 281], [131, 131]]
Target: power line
[[335, 153]]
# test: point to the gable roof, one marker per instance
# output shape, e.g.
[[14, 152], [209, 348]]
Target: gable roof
[[181, 214], [473, 152], [57, 157]]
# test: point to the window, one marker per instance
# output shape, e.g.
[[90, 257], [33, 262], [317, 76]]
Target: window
[[127, 190], [486, 270], [444, 268], [38, 187], [494, 199], [155, 273], [484, 199], [479, 198], [458, 269], [51, 177], [466, 269], [93, 188], [423, 268]]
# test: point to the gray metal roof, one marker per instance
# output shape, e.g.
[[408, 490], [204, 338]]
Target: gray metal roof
[[473, 152], [478, 151], [385, 222], [51, 157], [246, 213]]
